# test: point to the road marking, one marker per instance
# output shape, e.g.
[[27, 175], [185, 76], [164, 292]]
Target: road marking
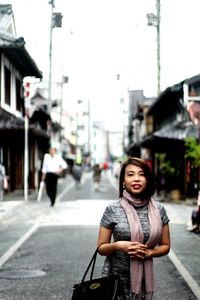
[[185, 274], [69, 187], [6, 256]]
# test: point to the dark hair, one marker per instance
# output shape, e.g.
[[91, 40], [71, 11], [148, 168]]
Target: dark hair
[[151, 186]]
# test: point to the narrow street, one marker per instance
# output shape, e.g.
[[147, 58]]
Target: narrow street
[[45, 250]]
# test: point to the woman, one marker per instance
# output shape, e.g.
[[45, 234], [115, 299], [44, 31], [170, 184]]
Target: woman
[[133, 230]]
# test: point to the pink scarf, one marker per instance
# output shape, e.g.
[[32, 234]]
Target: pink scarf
[[142, 268]]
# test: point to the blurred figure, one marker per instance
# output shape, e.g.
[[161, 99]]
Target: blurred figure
[[116, 169], [77, 171], [96, 176], [3, 181], [105, 166], [53, 166], [195, 217]]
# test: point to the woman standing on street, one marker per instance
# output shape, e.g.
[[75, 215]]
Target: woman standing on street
[[134, 230]]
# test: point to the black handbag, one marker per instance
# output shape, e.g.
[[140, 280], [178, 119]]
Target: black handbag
[[103, 288]]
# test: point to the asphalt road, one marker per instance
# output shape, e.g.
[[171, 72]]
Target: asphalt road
[[45, 250]]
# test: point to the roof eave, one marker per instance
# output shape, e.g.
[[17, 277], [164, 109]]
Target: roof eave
[[14, 49]]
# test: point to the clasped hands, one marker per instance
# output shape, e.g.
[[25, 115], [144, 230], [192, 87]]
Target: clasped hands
[[138, 250], [135, 249]]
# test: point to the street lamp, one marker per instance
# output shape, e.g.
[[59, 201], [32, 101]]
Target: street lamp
[[154, 20]]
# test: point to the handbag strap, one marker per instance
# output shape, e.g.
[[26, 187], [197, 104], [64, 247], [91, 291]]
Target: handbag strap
[[91, 263]]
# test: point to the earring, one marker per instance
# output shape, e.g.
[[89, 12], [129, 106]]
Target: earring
[[124, 186]]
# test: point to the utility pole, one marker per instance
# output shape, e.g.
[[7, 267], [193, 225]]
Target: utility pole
[[51, 2], [89, 142], [158, 44], [63, 81], [56, 21], [154, 20], [26, 129]]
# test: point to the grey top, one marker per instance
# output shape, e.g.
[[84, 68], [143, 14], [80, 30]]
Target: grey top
[[114, 217]]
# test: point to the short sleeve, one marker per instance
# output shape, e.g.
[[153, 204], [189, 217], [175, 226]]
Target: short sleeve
[[44, 164], [163, 214], [107, 218]]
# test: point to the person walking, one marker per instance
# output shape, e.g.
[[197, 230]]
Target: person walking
[[77, 171], [3, 181], [195, 217], [97, 176], [53, 166], [134, 230]]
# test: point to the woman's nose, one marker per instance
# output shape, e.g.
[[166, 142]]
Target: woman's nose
[[137, 177]]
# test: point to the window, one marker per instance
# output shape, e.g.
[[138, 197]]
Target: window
[[7, 85], [18, 95], [0, 78]]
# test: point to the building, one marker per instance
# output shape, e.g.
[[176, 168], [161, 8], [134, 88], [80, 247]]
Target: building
[[137, 121], [174, 117], [16, 65]]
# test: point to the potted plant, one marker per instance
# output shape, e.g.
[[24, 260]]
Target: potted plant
[[168, 173], [192, 154]]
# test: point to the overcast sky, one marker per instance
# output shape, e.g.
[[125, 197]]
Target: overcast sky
[[102, 38]]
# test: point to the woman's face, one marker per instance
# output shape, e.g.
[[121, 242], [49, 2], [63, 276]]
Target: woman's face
[[134, 180]]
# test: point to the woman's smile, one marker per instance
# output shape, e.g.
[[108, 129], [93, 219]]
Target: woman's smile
[[134, 179], [136, 186]]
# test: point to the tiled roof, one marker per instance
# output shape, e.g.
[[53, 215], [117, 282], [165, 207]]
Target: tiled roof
[[167, 100], [11, 122], [14, 49], [178, 131], [173, 135]]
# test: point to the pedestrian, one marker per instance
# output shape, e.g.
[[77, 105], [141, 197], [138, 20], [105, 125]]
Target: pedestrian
[[195, 217], [134, 230], [3, 181], [105, 166], [97, 176], [116, 169], [77, 171], [53, 166]]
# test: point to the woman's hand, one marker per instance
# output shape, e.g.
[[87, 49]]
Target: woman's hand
[[59, 171], [137, 250], [133, 249]]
